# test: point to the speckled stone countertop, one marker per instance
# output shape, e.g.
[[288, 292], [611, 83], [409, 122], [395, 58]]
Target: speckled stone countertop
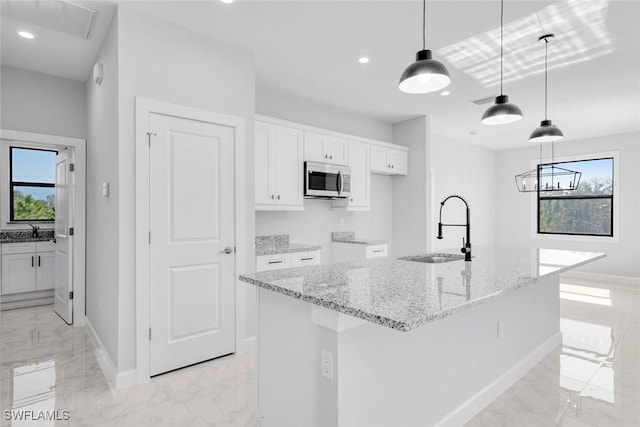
[[25, 236], [404, 295], [279, 244], [350, 237]]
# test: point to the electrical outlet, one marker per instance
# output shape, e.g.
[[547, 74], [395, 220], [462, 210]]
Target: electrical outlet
[[326, 364], [500, 329]]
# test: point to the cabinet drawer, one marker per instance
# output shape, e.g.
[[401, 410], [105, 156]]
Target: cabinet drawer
[[376, 251], [18, 248], [300, 259], [273, 262], [45, 247]]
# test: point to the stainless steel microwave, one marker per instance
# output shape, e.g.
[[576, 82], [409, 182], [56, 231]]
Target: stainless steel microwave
[[326, 180]]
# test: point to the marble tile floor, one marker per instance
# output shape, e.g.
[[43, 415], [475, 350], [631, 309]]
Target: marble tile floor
[[593, 379]]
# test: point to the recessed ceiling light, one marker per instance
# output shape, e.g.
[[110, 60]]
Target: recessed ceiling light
[[227, 1], [26, 35], [363, 60], [445, 93]]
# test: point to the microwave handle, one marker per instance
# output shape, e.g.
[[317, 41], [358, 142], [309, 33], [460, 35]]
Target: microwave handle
[[339, 183]]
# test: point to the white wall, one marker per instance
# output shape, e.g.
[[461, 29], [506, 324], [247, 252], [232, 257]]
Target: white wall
[[469, 171], [315, 224], [514, 210], [289, 107], [102, 290], [40, 103], [160, 61], [412, 194]]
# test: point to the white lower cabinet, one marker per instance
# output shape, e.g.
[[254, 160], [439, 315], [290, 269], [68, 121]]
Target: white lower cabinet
[[350, 252], [27, 267], [288, 260]]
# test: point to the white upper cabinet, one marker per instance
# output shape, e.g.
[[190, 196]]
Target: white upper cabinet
[[388, 161], [359, 161], [325, 148], [278, 167]]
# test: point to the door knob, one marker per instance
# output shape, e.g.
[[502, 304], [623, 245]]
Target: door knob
[[227, 250]]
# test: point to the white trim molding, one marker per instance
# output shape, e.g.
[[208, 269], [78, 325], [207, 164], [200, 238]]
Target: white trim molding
[[79, 206], [143, 108], [627, 282]]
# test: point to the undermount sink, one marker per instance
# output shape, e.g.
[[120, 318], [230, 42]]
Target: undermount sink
[[434, 259]]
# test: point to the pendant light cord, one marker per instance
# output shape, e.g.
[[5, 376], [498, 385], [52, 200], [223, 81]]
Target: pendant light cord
[[424, 24], [546, 47], [501, 40]]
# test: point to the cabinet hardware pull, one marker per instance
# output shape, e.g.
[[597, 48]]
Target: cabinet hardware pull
[[331, 157], [32, 262], [278, 197], [306, 259], [275, 262], [38, 260], [379, 250]]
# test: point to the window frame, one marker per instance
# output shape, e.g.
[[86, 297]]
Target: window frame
[[615, 208], [584, 197], [13, 184]]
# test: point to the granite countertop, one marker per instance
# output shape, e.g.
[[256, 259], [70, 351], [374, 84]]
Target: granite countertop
[[404, 295], [279, 244], [25, 236], [350, 237]]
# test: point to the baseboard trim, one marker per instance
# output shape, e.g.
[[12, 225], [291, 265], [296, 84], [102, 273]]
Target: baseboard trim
[[628, 282], [467, 410], [248, 344], [126, 379], [109, 369]]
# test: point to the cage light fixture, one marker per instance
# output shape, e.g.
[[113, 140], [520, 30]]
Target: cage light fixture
[[548, 177], [425, 74], [502, 112], [547, 131]]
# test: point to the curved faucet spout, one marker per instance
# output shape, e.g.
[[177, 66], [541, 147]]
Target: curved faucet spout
[[466, 248]]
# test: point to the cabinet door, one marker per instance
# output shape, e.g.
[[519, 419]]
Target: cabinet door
[[398, 161], [18, 273], [314, 144], [337, 150], [263, 172], [379, 160], [286, 159], [360, 175], [45, 270]]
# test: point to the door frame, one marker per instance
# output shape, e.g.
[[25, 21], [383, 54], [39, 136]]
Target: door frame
[[79, 146], [143, 108]]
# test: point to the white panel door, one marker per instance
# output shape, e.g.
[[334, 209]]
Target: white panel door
[[337, 149], [360, 175], [288, 166], [314, 147], [379, 159], [192, 220], [63, 282], [263, 178]]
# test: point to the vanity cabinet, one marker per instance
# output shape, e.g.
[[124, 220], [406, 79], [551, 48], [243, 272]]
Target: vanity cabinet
[[278, 167], [325, 148], [27, 267], [388, 161]]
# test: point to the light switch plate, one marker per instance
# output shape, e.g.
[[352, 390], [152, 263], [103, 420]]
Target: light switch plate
[[105, 189]]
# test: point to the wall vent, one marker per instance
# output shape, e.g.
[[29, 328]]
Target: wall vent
[[59, 15]]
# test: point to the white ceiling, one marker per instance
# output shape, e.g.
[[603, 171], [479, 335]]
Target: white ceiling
[[310, 49]]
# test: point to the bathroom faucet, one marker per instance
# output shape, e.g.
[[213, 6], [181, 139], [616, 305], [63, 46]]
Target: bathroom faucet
[[466, 248], [34, 232]]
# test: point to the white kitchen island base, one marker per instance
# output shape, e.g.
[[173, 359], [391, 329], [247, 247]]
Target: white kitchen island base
[[442, 373]]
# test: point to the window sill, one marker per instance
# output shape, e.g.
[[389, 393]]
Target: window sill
[[576, 238], [37, 221]]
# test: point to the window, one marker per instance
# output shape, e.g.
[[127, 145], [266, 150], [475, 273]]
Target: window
[[586, 211], [32, 184]]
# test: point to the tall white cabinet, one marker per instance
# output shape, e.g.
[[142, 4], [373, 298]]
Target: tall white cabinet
[[359, 161], [279, 166]]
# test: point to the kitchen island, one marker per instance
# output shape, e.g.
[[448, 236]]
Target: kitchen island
[[392, 342]]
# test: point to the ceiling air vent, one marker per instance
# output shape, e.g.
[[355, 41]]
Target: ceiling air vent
[[482, 101], [58, 15]]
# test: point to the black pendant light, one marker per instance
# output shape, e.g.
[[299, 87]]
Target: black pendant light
[[426, 74], [502, 112], [547, 131]]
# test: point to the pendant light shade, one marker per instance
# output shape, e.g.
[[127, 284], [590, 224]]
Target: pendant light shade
[[425, 74], [546, 131], [502, 112]]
